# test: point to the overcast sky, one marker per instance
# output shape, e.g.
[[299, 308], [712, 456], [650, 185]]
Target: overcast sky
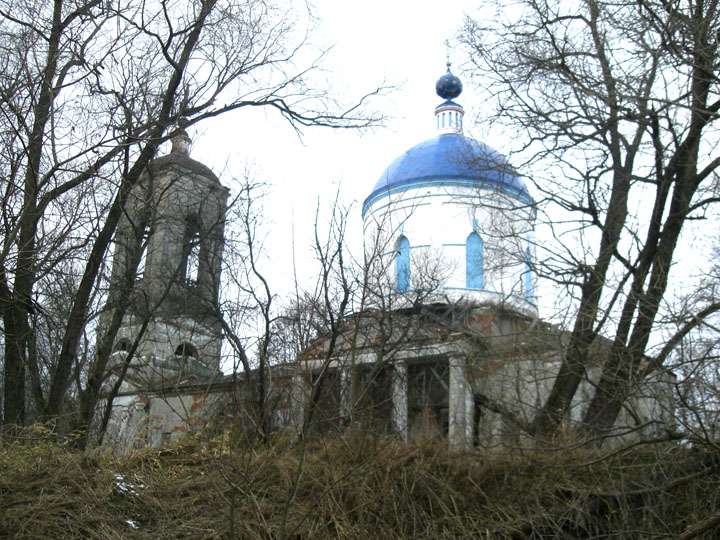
[[400, 43]]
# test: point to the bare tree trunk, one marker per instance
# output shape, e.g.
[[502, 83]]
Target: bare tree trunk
[[620, 374], [17, 317], [572, 369]]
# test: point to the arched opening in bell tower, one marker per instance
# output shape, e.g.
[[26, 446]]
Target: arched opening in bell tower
[[191, 253], [186, 350], [142, 261]]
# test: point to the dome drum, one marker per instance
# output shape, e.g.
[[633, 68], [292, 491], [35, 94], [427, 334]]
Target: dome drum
[[461, 245]]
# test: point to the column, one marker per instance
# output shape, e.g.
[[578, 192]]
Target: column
[[298, 401], [460, 404], [345, 405], [400, 400]]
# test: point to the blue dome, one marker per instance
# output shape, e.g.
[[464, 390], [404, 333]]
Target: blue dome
[[450, 159]]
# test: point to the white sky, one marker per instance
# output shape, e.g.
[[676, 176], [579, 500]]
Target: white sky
[[397, 42]]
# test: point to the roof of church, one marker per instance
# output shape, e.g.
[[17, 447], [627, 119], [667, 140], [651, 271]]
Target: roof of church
[[179, 156], [450, 158], [185, 162]]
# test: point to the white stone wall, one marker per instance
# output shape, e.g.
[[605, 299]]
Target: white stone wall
[[523, 385], [162, 337], [127, 427], [140, 421]]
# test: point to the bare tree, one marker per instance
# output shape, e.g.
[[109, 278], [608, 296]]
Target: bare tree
[[89, 91], [619, 102], [247, 306]]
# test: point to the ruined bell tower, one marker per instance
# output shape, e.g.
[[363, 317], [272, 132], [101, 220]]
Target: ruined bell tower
[[166, 267]]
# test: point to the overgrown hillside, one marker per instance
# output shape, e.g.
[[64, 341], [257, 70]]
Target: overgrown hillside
[[356, 486]]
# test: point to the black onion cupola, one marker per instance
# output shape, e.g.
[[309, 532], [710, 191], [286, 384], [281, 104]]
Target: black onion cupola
[[448, 86], [449, 115]]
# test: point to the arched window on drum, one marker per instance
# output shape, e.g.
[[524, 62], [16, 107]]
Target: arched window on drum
[[142, 261], [528, 287], [474, 261], [402, 264]]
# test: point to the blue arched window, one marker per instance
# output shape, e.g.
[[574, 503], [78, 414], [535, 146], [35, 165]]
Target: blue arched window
[[474, 262], [527, 276], [402, 264]]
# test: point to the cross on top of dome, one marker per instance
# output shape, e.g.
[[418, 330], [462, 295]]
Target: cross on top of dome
[[448, 86]]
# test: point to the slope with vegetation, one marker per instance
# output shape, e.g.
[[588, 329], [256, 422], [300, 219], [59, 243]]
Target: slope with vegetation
[[351, 487]]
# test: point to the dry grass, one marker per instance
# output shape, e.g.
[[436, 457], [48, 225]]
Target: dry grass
[[356, 486]]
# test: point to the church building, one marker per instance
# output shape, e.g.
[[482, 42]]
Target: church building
[[448, 342]]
